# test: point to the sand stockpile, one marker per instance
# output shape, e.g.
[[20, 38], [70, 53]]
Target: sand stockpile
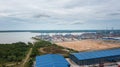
[[85, 45]]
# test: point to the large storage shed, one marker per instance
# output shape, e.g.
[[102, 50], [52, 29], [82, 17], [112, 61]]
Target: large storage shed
[[96, 57], [51, 60]]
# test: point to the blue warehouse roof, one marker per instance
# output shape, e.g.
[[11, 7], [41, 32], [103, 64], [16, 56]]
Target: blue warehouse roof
[[51, 60], [96, 54]]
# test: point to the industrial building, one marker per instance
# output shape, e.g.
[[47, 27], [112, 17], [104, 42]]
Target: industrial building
[[51, 60], [96, 57]]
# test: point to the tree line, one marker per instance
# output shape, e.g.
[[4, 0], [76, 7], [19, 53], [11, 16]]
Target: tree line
[[14, 52]]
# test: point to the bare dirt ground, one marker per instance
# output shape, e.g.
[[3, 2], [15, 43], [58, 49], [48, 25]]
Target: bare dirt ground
[[52, 49], [26, 58], [86, 45]]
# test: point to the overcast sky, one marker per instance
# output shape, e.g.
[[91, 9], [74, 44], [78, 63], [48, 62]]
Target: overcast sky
[[59, 14]]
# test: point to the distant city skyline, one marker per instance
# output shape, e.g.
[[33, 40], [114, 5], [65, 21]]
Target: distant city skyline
[[59, 14]]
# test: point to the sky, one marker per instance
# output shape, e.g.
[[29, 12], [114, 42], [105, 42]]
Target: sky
[[59, 14]]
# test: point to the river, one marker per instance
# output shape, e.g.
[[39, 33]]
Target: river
[[12, 37]]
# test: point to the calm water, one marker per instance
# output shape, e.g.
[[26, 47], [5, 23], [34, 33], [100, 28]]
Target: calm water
[[12, 37]]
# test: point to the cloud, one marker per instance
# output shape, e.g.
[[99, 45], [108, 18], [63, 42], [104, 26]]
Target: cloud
[[70, 23], [78, 22], [59, 12], [114, 14], [39, 16], [76, 9]]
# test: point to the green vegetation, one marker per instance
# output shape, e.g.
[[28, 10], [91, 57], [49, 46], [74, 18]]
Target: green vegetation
[[37, 45], [47, 48], [44, 47], [12, 53]]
